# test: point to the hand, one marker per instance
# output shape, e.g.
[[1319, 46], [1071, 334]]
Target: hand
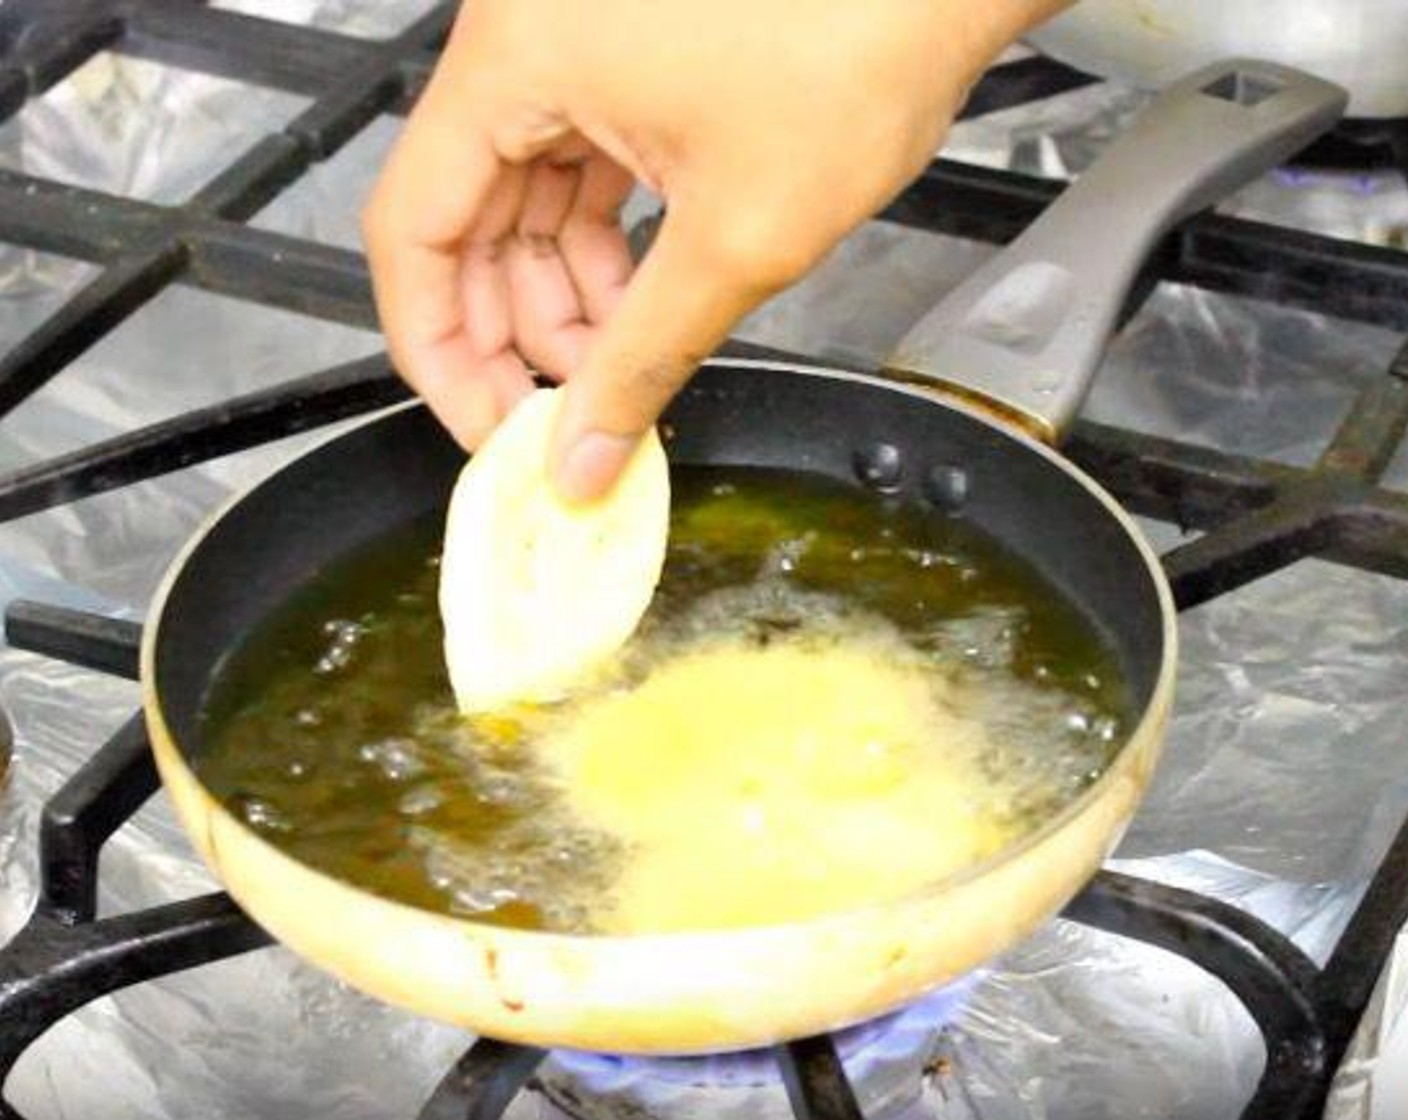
[[771, 128]]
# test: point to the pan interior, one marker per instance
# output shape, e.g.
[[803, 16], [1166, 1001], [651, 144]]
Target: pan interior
[[388, 473], [417, 505]]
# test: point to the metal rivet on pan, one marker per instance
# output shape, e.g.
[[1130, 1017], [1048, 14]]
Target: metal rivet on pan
[[946, 486], [879, 465]]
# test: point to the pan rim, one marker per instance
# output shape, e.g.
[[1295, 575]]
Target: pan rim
[[168, 750]]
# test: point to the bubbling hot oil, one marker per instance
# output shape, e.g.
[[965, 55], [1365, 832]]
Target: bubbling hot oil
[[832, 701]]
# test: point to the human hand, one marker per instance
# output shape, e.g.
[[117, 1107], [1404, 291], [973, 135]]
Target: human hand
[[771, 128]]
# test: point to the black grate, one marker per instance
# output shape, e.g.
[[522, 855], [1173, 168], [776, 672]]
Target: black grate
[[1258, 516]]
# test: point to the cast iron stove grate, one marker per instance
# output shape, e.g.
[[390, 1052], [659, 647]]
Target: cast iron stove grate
[[1258, 516]]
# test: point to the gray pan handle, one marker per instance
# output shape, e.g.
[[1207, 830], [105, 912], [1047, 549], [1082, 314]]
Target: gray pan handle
[[1025, 333]]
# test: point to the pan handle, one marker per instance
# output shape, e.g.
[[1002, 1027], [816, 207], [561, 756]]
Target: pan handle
[[1025, 333]]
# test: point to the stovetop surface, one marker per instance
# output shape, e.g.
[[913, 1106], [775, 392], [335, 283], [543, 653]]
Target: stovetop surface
[[207, 256]]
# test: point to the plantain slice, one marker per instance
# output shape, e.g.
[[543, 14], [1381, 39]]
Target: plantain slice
[[536, 593]]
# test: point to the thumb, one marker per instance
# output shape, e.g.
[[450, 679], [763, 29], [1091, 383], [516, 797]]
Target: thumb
[[684, 299]]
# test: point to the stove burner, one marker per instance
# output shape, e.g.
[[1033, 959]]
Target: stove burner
[[899, 1034], [884, 1060]]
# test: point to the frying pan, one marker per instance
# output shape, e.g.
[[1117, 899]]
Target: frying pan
[[1025, 332]]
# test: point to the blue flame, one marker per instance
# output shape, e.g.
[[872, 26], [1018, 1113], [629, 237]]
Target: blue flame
[[900, 1035]]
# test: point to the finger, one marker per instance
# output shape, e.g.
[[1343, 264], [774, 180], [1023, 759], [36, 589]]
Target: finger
[[696, 282], [592, 241], [472, 377], [548, 322], [484, 279], [435, 187]]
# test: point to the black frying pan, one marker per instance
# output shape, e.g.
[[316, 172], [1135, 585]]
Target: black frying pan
[[1025, 333]]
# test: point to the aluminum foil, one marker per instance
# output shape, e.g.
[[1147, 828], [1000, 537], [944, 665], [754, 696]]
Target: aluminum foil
[[1281, 784]]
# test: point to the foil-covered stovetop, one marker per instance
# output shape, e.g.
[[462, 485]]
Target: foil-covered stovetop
[[1280, 787]]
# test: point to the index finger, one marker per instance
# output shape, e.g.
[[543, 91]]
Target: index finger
[[696, 282]]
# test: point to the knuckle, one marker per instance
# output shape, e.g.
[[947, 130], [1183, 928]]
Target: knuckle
[[536, 245], [760, 252]]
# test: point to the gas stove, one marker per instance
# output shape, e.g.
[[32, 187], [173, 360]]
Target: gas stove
[[177, 205]]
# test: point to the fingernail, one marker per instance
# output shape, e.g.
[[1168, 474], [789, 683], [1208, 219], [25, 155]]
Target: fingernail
[[592, 464]]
